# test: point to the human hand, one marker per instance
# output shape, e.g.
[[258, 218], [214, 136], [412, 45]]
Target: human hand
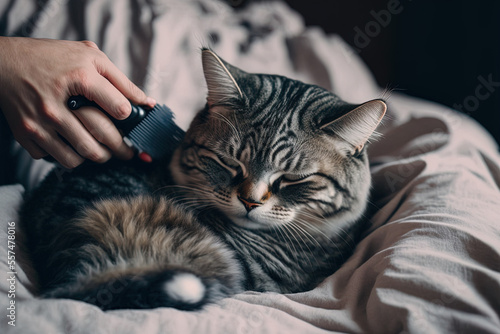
[[37, 76]]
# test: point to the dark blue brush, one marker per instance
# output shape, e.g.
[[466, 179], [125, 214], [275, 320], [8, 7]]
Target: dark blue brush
[[153, 133]]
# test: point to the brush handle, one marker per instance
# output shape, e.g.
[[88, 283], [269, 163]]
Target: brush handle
[[125, 125], [138, 113], [154, 138]]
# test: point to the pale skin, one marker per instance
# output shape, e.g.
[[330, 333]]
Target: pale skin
[[37, 76]]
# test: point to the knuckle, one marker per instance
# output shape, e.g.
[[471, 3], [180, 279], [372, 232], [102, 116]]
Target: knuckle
[[98, 156], [84, 148], [30, 129], [114, 142], [81, 77], [90, 44], [101, 54], [51, 115], [99, 60], [69, 158], [33, 131], [91, 152]]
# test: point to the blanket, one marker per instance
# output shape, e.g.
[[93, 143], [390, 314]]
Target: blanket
[[430, 261]]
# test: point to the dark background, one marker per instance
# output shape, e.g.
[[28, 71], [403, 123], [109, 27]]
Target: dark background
[[440, 50], [437, 50]]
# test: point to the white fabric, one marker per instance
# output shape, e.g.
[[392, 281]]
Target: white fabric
[[430, 263]]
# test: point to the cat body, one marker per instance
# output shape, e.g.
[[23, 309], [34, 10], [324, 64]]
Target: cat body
[[266, 192]]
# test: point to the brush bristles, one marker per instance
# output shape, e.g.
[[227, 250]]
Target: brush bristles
[[157, 134]]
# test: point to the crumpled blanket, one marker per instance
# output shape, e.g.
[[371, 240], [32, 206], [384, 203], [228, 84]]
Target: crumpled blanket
[[429, 263]]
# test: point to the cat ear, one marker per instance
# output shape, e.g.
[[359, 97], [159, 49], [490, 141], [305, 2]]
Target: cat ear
[[359, 124], [222, 86]]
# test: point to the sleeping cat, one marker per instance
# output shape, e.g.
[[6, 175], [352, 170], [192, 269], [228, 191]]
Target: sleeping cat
[[266, 192]]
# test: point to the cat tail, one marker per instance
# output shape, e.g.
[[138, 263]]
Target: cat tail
[[176, 288], [141, 253]]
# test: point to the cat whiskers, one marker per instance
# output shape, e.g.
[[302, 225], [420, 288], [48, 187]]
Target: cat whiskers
[[289, 232], [309, 224], [283, 232], [303, 224], [299, 232], [195, 201], [350, 243], [322, 220], [331, 242], [372, 203], [198, 204]]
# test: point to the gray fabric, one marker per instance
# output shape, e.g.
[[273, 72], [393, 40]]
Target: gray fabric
[[430, 263]]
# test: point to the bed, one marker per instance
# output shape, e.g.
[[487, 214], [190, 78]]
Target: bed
[[430, 261]]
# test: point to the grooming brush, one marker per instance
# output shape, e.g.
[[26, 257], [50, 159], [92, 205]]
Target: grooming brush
[[152, 133]]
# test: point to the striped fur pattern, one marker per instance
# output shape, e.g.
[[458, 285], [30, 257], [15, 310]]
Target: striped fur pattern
[[266, 193]]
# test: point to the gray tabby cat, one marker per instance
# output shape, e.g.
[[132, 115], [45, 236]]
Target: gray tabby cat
[[266, 192]]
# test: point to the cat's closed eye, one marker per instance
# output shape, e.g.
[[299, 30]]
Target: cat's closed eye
[[295, 177], [229, 162], [236, 168], [289, 179]]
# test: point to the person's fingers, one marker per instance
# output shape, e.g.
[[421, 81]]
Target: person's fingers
[[98, 89], [61, 152], [28, 134], [73, 131], [104, 131], [109, 70]]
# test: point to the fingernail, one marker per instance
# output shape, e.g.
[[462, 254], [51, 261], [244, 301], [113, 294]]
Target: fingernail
[[150, 101]]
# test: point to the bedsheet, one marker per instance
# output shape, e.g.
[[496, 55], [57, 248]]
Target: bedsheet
[[430, 262]]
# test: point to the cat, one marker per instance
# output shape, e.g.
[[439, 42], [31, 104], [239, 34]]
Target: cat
[[266, 192]]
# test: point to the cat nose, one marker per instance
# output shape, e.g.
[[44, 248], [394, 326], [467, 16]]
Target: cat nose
[[249, 204]]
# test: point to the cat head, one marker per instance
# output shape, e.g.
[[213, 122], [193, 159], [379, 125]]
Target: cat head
[[268, 150]]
